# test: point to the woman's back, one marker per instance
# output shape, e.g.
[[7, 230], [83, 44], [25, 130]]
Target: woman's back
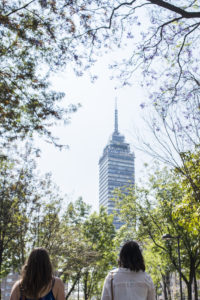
[[128, 285], [55, 291], [37, 280], [129, 281]]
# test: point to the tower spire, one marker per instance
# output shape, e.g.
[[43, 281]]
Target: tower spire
[[116, 116]]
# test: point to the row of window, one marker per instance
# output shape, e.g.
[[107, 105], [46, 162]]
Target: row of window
[[120, 155], [125, 156], [115, 166]]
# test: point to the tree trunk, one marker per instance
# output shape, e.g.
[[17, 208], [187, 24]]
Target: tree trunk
[[164, 287], [22, 246], [86, 286], [72, 287], [195, 287], [168, 285], [1, 252], [189, 290], [193, 268]]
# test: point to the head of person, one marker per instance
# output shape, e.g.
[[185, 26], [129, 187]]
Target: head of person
[[131, 257], [36, 273]]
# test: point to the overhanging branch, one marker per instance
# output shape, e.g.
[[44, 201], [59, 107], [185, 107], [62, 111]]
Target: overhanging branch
[[176, 9], [20, 8]]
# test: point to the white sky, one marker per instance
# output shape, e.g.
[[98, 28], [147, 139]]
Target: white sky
[[76, 170]]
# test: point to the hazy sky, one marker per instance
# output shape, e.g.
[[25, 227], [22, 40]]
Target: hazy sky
[[76, 170]]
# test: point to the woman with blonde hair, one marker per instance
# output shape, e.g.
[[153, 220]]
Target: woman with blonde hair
[[37, 280]]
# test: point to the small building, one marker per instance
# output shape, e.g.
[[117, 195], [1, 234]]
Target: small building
[[7, 283]]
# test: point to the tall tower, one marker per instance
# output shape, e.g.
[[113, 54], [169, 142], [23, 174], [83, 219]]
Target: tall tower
[[116, 169]]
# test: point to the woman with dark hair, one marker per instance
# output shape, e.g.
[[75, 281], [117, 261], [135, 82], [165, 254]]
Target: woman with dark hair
[[129, 281], [37, 280]]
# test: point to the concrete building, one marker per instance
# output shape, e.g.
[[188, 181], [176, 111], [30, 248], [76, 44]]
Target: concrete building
[[116, 169], [7, 283]]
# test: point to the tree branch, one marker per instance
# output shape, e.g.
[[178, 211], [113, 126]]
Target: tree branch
[[176, 9], [20, 8], [178, 60]]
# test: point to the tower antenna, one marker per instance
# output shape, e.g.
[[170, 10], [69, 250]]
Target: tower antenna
[[116, 116]]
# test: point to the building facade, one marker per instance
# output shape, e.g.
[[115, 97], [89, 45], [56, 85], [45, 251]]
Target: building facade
[[7, 283], [116, 170]]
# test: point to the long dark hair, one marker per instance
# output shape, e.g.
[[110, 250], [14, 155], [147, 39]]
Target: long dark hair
[[131, 257], [37, 273]]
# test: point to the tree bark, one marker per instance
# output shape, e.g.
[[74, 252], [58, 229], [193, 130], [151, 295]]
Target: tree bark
[[1, 252], [86, 286], [168, 286], [189, 290], [176, 9], [195, 286], [164, 287], [72, 287]]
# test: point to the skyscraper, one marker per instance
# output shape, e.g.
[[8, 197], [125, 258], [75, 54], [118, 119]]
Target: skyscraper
[[116, 169]]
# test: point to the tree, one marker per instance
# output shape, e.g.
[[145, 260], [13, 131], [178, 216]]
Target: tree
[[154, 205], [44, 224], [175, 141], [17, 202], [187, 210], [40, 36], [100, 233], [160, 268], [75, 256], [164, 47], [74, 252], [86, 248], [61, 234], [34, 43], [29, 210]]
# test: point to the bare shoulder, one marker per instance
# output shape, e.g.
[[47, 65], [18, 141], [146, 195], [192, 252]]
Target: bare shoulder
[[16, 285], [58, 282], [15, 292], [58, 289]]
